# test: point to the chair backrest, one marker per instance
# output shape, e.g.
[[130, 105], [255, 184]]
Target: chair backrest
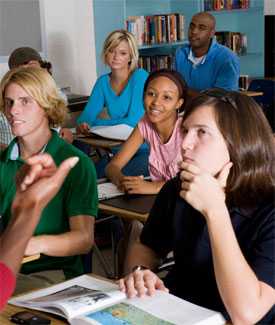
[[266, 86], [267, 100]]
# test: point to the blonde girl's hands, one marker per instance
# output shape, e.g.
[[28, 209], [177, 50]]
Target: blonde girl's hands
[[83, 128], [202, 190], [140, 283]]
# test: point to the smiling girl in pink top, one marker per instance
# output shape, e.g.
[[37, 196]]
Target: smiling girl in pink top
[[164, 97]]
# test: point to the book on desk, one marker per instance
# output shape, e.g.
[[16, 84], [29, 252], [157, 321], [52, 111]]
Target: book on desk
[[110, 195], [88, 300]]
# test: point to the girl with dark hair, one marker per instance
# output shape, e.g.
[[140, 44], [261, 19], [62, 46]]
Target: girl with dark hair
[[217, 216], [164, 97]]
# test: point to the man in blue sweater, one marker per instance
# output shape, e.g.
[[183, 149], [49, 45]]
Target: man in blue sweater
[[203, 62]]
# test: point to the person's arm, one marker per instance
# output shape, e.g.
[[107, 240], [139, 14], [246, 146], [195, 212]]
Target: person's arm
[[94, 105], [78, 240], [138, 185], [156, 240], [140, 254], [135, 97], [228, 74], [141, 281], [79, 210], [246, 298], [3, 146], [129, 148]]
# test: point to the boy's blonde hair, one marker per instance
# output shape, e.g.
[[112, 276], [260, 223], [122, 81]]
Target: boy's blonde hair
[[114, 39], [39, 84]]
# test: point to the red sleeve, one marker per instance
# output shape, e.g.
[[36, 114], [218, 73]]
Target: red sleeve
[[7, 284]]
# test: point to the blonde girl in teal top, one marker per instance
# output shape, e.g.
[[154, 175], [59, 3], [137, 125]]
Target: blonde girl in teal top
[[121, 90]]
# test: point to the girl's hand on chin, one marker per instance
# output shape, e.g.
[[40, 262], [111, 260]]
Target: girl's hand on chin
[[202, 190]]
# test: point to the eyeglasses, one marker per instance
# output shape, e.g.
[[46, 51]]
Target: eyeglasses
[[223, 95]]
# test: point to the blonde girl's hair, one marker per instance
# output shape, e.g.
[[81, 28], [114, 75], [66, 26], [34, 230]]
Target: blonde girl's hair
[[114, 39], [39, 84]]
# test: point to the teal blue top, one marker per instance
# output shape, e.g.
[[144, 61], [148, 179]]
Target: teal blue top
[[219, 69], [126, 108]]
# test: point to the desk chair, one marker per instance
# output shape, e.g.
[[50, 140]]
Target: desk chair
[[110, 271], [166, 264], [267, 100]]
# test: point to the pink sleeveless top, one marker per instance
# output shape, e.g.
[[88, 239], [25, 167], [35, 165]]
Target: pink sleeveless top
[[163, 157]]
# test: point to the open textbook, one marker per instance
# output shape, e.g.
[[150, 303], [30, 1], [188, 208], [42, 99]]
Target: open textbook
[[108, 190], [86, 300], [114, 132]]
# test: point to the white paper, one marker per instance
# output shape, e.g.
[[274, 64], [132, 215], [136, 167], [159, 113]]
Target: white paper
[[107, 191], [114, 132], [165, 307]]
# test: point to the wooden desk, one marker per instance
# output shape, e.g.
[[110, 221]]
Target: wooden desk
[[252, 93], [123, 213], [27, 259], [77, 102], [95, 142], [10, 310]]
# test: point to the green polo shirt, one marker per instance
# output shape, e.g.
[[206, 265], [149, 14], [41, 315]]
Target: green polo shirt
[[77, 196]]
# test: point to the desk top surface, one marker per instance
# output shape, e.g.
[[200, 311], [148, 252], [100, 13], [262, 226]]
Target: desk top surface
[[97, 142], [76, 98], [30, 258], [123, 213], [10, 310], [252, 93]]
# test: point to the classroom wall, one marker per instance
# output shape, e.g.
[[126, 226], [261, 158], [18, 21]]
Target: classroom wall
[[69, 43], [269, 7]]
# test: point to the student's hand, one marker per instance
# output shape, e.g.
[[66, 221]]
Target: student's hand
[[66, 134], [83, 128], [39, 180], [135, 185], [141, 283], [202, 190]]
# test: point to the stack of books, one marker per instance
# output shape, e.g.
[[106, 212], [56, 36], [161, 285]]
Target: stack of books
[[156, 29], [236, 41], [225, 4], [153, 62]]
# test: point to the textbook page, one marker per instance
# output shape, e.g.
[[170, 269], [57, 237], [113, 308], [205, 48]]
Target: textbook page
[[71, 298], [160, 309], [114, 132], [108, 190]]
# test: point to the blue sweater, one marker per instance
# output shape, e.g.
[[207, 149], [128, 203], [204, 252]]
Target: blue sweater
[[127, 108], [221, 68]]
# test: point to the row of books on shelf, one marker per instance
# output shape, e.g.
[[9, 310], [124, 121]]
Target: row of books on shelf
[[225, 4], [156, 29], [153, 63], [236, 41]]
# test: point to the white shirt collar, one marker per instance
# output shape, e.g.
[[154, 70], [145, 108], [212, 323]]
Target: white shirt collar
[[196, 60], [15, 151]]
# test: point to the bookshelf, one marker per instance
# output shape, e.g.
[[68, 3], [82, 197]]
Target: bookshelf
[[111, 14]]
